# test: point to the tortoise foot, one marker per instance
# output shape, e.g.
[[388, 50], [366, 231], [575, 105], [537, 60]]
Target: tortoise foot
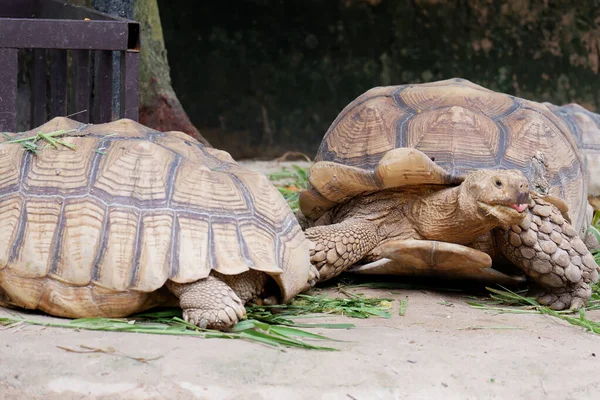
[[210, 302], [220, 319], [572, 298], [313, 277], [547, 248]]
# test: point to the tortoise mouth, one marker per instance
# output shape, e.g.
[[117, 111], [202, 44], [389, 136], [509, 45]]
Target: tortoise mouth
[[520, 207], [510, 214]]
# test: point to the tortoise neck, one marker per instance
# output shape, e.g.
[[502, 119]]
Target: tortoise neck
[[449, 215]]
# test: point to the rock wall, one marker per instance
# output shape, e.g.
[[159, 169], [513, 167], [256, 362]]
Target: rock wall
[[261, 77]]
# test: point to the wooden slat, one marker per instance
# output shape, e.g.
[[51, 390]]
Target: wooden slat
[[130, 64], [8, 90], [58, 83], [38, 87], [103, 81], [81, 86], [64, 34]]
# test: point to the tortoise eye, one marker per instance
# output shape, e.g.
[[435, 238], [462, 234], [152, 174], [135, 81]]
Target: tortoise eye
[[498, 183]]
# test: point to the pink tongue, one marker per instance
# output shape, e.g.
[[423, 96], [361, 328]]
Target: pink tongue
[[519, 207]]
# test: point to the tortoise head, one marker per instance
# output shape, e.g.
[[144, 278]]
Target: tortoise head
[[501, 196]]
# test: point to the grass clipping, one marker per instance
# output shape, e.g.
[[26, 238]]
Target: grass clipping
[[290, 182], [506, 301], [269, 325], [169, 322], [31, 143]]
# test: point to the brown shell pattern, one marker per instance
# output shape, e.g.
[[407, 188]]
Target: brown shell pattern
[[585, 126], [462, 127], [131, 207]]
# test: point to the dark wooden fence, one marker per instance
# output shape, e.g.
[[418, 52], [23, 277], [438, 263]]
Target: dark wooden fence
[[66, 54]]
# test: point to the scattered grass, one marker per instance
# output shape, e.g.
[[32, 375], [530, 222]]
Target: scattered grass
[[507, 301], [355, 306], [481, 327], [109, 350], [30, 143], [595, 229], [446, 303], [290, 183], [169, 322], [403, 305], [270, 325]]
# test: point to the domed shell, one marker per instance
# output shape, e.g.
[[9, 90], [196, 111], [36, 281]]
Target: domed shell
[[462, 127], [585, 126], [127, 208]]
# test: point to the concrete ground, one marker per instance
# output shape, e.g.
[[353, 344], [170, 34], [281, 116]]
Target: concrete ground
[[440, 349]]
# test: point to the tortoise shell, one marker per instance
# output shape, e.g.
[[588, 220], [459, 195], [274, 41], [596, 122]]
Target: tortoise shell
[[104, 224], [585, 126], [462, 127]]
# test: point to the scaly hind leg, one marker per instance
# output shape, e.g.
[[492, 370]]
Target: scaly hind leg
[[546, 247], [338, 246], [217, 301]]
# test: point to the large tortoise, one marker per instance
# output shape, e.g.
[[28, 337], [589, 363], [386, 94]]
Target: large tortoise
[[446, 177], [105, 226], [585, 126]]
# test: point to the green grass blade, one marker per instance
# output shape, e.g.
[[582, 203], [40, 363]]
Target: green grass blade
[[287, 331], [249, 324], [595, 231], [403, 305], [30, 143], [168, 323], [280, 340], [328, 326], [527, 305]]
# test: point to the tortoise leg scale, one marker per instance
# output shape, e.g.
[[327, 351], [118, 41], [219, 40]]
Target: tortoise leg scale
[[217, 301], [339, 246], [547, 248]]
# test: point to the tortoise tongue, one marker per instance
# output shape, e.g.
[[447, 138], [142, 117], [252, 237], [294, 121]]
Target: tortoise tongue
[[519, 207]]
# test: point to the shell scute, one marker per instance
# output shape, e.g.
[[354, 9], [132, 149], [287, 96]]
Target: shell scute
[[134, 171], [79, 235], [192, 254], [115, 268], [370, 129], [35, 243], [11, 208], [207, 191]]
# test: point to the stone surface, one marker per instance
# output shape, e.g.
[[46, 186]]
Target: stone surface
[[256, 91], [435, 351]]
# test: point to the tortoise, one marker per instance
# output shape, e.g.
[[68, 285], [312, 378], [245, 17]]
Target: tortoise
[[119, 218], [585, 126], [451, 179]]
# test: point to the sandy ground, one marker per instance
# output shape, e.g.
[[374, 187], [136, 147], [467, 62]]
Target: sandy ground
[[440, 349]]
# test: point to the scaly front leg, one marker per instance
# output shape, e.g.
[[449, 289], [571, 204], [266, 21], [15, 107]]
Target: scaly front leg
[[549, 251], [338, 246]]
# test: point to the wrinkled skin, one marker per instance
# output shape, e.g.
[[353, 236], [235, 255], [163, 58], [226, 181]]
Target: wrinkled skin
[[487, 201]]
